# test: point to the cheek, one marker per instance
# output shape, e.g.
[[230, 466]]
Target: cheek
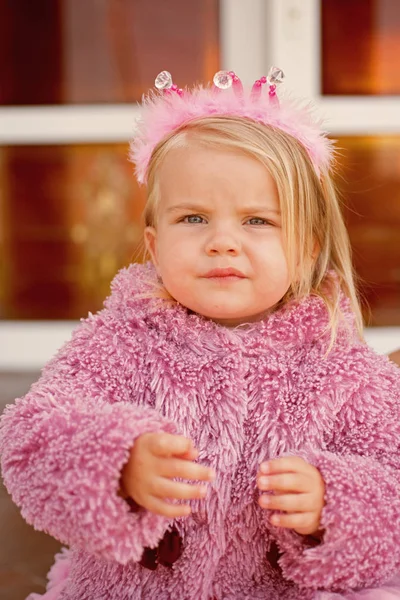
[[176, 248], [271, 261], [173, 260], [270, 253]]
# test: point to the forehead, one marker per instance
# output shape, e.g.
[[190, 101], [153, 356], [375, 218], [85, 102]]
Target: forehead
[[208, 170]]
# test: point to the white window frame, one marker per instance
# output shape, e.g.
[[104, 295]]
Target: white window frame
[[255, 34], [242, 49], [294, 29]]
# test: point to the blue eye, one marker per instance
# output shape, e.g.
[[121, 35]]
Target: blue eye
[[193, 219], [257, 221]]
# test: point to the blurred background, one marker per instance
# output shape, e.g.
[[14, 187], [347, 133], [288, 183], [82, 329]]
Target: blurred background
[[71, 75]]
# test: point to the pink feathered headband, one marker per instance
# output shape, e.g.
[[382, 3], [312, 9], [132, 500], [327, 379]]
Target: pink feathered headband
[[170, 108]]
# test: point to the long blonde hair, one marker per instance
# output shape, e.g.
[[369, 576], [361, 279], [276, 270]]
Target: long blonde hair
[[314, 233]]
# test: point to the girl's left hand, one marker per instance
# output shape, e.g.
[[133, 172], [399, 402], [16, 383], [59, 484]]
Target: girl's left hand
[[298, 491]]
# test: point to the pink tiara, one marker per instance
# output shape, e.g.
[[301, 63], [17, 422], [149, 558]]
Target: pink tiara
[[169, 108]]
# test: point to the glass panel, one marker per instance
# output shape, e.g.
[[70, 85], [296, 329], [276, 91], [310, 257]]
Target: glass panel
[[360, 47], [71, 218], [74, 51], [370, 182]]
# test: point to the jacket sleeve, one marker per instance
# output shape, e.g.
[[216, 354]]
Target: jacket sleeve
[[360, 465], [64, 444]]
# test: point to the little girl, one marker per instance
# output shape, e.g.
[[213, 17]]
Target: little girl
[[220, 430]]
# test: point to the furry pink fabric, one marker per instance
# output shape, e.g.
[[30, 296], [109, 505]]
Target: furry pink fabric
[[242, 395], [57, 577], [163, 113]]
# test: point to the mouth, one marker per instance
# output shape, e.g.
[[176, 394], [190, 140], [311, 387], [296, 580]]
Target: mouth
[[228, 274]]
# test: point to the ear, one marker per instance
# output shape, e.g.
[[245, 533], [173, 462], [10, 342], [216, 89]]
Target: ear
[[150, 239]]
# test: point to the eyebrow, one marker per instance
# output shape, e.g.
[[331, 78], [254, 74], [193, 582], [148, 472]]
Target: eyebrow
[[191, 207], [201, 208], [260, 209]]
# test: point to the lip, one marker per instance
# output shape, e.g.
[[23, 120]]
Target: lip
[[228, 272]]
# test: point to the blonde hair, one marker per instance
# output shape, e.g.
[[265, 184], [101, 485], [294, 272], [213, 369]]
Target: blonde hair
[[314, 233]]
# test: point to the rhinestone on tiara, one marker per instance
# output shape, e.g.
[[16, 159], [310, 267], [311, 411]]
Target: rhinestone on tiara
[[223, 80], [163, 80], [275, 76]]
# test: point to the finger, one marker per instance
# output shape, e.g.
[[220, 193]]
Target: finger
[[290, 503], [184, 469], [285, 482], [193, 454], [286, 464], [166, 509], [166, 444], [306, 522], [165, 488]]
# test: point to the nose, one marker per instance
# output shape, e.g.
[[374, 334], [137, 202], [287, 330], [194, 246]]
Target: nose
[[223, 241]]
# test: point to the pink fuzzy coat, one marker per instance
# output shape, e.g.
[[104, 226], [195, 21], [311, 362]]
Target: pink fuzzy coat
[[243, 396]]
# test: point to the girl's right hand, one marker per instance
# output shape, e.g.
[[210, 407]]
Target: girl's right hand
[[154, 461]]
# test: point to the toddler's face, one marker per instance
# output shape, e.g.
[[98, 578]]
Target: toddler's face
[[217, 244]]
